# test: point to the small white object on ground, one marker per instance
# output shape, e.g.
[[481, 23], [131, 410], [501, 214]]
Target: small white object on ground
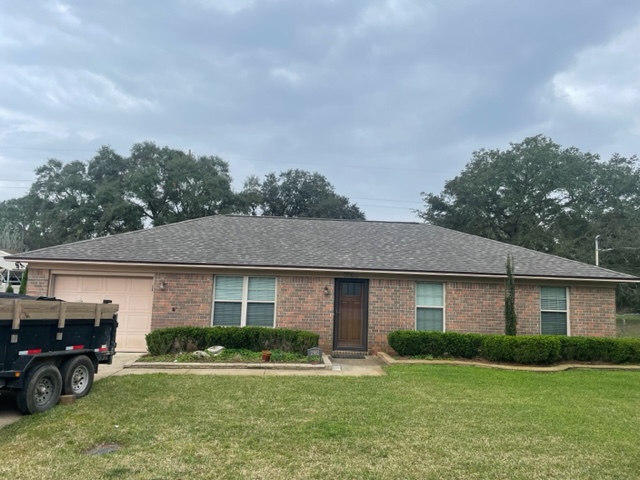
[[215, 350]]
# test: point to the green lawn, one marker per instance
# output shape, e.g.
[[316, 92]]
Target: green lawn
[[419, 422], [628, 325]]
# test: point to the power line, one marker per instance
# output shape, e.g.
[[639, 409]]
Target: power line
[[44, 149], [386, 200], [240, 158], [387, 206]]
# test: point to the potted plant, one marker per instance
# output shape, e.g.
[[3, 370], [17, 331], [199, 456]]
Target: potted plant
[[266, 355]]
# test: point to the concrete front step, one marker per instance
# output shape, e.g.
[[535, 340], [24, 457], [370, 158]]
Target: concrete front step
[[348, 354]]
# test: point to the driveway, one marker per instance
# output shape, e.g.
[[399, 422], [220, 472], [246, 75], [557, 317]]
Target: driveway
[[9, 411]]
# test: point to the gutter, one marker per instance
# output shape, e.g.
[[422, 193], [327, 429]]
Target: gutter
[[337, 271]]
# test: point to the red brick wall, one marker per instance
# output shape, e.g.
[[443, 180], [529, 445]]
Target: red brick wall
[[527, 309], [185, 300], [474, 307], [479, 308], [592, 311], [391, 307], [469, 307], [302, 304], [38, 282]]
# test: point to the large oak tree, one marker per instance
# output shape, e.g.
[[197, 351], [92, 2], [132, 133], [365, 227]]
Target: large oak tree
[[111, 194], [298, 193], [539, 195]]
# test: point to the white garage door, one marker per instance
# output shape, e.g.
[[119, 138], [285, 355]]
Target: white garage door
[[133, 294]]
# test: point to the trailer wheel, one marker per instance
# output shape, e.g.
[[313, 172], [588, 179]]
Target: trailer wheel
[[77, 376], [42, 390]]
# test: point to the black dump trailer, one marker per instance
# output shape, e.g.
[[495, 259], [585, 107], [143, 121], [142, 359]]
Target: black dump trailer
[[50, 348]]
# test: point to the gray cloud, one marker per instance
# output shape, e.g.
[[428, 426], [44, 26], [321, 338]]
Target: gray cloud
[[385, 98]]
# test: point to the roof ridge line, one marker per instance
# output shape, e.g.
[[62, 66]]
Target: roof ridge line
[[277, 217]]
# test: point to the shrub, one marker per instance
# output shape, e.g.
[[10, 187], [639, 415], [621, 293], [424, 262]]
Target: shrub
[[23, 282], [528, 350], [438, 344], [188, 339], [598, 349]]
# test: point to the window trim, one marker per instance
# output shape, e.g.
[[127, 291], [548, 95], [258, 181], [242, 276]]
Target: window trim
[[566, 312], [244, 301], [416, 306]]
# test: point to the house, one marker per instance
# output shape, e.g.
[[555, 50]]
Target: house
[[352, 282], [10, 272]]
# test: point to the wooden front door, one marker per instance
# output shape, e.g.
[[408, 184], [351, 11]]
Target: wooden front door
[[350, 326]]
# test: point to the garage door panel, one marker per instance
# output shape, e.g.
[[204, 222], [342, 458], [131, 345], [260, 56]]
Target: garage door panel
[[137, 323], [136, 343], [68, 283], [93, 284], [140, 303], [140, 285], [90, 298], [119, 298], [134, 295]]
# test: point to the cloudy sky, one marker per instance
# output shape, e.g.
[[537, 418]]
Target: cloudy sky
[[387, 98]]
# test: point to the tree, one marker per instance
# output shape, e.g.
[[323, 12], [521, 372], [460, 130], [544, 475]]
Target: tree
[[517, 196], [297, 193], [556, 200], [171, 185], [114, 212], [13, 224], [510, 317], [23, 282], [10, 238], [60, 204], [112, 194]]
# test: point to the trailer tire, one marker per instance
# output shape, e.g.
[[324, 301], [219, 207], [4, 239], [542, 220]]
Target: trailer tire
[[77, 376], [42, 388]]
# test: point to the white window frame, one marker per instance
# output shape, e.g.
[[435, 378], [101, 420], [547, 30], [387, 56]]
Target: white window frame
[[245, 299], [444, 303], [566, 312]]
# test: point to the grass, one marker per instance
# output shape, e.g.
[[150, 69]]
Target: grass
[[232, 355], [419, 422], [628, 325]]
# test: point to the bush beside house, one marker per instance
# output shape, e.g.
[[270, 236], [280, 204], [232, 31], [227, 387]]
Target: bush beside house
[[188, 339], [525, 349]]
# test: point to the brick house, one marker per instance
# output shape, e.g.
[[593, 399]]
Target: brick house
[[352, 282]]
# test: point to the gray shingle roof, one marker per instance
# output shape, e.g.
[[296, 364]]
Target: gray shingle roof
[[320, 244]]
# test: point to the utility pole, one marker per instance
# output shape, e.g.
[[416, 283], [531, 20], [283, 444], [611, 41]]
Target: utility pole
[[598, 250]]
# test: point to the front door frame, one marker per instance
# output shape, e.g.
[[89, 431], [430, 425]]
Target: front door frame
[[365, 313]]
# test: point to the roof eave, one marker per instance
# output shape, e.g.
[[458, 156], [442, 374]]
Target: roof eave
[[325, 269]]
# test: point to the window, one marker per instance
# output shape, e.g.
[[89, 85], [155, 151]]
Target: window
[[11, 276], [429, 306], [244, 301], [553, 311]]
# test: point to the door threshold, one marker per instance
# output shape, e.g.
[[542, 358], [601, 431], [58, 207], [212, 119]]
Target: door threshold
[[348, 354]]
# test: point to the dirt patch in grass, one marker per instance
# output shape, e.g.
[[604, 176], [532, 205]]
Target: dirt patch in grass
[[102, 449]]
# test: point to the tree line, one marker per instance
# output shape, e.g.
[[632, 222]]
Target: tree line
[[111, 193], [535, 194]]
